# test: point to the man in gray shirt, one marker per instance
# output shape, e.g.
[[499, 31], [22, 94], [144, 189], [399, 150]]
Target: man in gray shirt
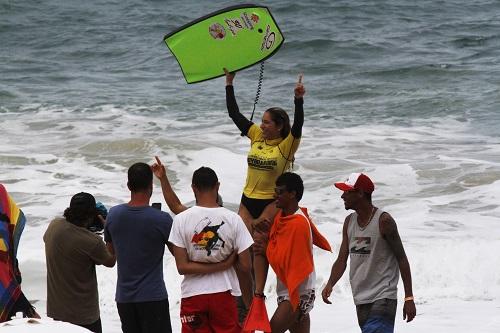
[[371, 240]]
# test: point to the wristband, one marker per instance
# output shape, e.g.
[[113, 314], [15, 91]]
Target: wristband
[[409, 298]]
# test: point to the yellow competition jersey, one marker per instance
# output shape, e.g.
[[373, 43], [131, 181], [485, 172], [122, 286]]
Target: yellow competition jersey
[[267, 160]]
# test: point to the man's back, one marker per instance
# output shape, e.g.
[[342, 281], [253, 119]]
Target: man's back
[[139, 236], [72, 253], [210, 235]]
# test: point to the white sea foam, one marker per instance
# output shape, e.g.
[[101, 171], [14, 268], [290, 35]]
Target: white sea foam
[[434, 179]]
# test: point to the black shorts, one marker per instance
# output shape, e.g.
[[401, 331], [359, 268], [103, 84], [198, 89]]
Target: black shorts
[[145, 317], [255, 206]]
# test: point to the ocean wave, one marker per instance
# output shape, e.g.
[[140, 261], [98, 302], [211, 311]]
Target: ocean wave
[[5, 96], [476, 41]]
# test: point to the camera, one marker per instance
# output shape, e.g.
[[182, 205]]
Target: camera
[[97, 226]]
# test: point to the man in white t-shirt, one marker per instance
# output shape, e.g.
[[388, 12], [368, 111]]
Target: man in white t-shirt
[[208, 240]]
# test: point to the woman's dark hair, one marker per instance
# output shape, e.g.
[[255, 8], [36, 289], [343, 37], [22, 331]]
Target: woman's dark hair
[[280, 118]]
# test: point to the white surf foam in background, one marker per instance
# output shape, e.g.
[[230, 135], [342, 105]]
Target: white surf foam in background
[[438, 180]]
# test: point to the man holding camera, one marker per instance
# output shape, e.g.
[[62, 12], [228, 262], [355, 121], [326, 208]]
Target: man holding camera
[[72, 251]]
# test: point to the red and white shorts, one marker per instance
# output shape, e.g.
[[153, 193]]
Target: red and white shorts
[[209, 313]]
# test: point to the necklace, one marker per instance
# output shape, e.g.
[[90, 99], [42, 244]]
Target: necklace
[[362, 227]]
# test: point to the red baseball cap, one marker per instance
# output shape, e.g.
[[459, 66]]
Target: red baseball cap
[[356, 181]]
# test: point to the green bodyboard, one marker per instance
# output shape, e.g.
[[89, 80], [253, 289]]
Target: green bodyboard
[[235, 38]]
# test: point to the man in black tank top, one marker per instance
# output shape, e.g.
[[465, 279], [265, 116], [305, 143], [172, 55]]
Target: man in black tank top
[[371, 240]]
